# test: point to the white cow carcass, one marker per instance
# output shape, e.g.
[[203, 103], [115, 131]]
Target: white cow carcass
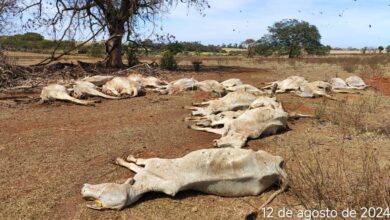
[[84, 88], [247, 88], [338, 83], [153, 82], [147, 82], [231, 82], [314, 89], [215, 119], [211, 86], [136, 77], [292, 83], [177, 86], [98, 80], [355, 82], [221, 172], [266, 117], [59, 92], [231, 102], [120, 86]]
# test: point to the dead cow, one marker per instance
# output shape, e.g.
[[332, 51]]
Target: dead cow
[[222, 172], [215, 119], [179, 85], [119, 86], [153, 82], [84, 88], [314, 89], [338, 83], [98, 80], [246, 88], [231, 82], [355, 82], [231, 102], [147, 82], [292, 83], [267, 117], [211, 86], [59, 92]]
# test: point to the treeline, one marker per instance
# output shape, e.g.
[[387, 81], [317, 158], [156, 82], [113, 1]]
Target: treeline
[[37, 43], [156, 47], [32, 42]]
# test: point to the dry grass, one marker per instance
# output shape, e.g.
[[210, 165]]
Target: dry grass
[[352, 175], [319, 183], [368, 113]]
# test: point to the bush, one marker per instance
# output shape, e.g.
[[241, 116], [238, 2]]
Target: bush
[[96, 50], [197, 65], [168, 61], [381, 48], [364, 50], [132, 58]]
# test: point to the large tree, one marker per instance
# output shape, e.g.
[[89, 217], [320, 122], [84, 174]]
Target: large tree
[[249, 44], [7, 7], [292, 37], [118, 18]]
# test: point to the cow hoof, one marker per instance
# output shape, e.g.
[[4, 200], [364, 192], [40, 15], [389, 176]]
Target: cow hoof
[[113, 160], [131, 158], [117, 161], [251, 216]]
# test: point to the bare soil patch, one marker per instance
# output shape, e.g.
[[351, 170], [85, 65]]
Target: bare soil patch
[[380, 83]]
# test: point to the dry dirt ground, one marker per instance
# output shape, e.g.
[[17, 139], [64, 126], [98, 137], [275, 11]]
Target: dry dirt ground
[[48, 151]]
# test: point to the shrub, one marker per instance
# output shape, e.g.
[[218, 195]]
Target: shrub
[[264, 47], [132, 58], [175, 47], [381, 48], [350, 68], [197, 65], [96, 50], [364, 50], [168, 61]]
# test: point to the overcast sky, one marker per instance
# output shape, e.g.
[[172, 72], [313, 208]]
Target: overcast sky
[[342, 23]]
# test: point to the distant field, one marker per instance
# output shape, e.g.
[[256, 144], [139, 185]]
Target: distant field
[[349, 63], [29, 58]]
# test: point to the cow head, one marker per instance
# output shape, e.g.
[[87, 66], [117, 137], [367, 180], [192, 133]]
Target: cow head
[[109, 195], [234, 140]]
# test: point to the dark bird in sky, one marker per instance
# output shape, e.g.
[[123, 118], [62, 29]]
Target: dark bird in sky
[[370, 26]]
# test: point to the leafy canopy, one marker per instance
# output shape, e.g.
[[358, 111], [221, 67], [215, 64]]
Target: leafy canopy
[[293, 38]]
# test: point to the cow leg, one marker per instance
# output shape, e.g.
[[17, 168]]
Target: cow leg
[[331, 97], [138, 161], [191, 107], [195, 118], [200, 104], [135, 92], [131, 166], [219, 131]]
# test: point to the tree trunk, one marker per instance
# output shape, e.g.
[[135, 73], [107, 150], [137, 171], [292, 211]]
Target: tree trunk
[[114, 51]]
